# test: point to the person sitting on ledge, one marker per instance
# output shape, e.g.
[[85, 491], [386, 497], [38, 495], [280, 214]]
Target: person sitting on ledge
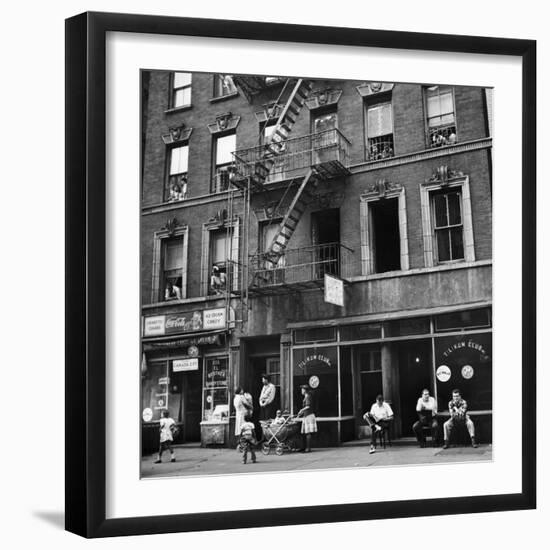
[[459, 417], [378, 418]]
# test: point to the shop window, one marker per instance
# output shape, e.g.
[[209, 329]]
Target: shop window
[[385, 240], [215, 389], [317, 334], [224, 85], [361, 332], [447, 224], [318, 368], [346, 382], [379, 131], [176, 185], [224, 146], [472, 318], [408, 327], [160, 392], [172, 272], [465, 363], [441, 118], [181, 90], [369, 362]]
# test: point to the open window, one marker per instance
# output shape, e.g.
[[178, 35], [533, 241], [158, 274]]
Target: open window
[[176, 184], [172, 268], [384, 234], [440, 114]]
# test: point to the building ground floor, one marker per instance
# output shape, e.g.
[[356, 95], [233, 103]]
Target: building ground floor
[[346, 363]]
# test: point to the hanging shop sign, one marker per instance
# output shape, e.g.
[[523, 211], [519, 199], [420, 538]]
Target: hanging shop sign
[[334, 290], [182, 365], [189, 321]]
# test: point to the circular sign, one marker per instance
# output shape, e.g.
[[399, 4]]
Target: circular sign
[[193, 351], [209, 399], [443, 373], [313, 381], [161, 402], [147, 415], [467, 371]]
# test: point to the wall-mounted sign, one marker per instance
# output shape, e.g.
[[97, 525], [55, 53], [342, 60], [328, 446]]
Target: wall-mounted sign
[[193, 351], [467, 372], [443, 373], [211, 339], [214, 318], [465, 345], [189, 321], [154, 326], [182, 365], [147, 415], [313, 381], [334, 290]]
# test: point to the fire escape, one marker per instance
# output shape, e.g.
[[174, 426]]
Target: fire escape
[[299, 163]]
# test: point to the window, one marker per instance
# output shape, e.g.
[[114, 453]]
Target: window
[[215, 391], [324, 127], [369, 361], [158, 393], [441, 116], [223, 147], [385, 239], [447, 224], [224, 85], [176, 188], [361, 332], [172, 268], [181, 90], [277, 171], [223, 259], [379, 133], [460, 320], [269, 231], [320, 334]]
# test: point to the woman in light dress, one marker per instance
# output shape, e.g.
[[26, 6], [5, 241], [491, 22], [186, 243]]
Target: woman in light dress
[[243, 405]]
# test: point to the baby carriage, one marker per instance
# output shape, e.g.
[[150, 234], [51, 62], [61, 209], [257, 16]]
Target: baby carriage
[[281, 435]]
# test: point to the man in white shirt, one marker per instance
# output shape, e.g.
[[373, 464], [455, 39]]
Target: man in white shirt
[[378, 418], [426, 407]]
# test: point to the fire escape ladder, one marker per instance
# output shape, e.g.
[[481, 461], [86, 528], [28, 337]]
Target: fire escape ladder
[[284, 125], [290, 221]]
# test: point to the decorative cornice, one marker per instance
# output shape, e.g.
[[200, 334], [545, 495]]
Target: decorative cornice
[[170, 226], [443, 174], [373, 88], [323, 98], [225, 121], [381, 188], [177, 134]]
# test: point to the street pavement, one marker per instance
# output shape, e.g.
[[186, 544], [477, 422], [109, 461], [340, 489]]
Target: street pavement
[[192, 460]]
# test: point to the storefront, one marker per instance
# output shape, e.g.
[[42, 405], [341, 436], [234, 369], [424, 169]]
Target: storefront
[[348, 365], [185, 370]]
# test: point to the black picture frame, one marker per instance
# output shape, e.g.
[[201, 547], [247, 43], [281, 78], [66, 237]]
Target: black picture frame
[[86, 283]]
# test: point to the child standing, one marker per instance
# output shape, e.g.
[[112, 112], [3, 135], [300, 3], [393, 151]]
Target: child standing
[[167, 425], [248, 438]]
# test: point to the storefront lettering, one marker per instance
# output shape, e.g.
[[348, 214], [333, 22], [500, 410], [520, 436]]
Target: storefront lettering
[[469, 344], [312, 358]]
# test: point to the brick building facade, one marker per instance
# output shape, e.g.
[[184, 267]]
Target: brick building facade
[[257, 188]]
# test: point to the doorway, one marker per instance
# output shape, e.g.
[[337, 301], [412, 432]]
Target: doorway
[[325, 236], [385, 239], [191, 404], [415, 374]]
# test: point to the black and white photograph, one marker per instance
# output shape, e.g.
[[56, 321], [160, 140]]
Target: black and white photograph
[[315, 275]]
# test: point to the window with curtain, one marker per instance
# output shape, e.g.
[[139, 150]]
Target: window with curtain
[[441, 118], [379, 131], [224, 146], [172, 268], [224, 85], [176, 188], [181, 90]]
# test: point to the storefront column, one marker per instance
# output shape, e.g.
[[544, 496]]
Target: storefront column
[[390, 382], [286, 372]]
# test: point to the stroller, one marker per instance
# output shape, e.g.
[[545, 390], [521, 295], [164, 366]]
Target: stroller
[[281, 436]]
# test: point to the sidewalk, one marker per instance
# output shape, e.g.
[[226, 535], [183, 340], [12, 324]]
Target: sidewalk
[[192, 460]]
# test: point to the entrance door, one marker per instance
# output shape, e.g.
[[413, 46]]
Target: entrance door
[[325, 234], [191, 405], [415, 368]]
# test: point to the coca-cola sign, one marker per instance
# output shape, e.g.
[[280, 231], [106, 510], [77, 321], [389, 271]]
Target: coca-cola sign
[[184, 322]]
